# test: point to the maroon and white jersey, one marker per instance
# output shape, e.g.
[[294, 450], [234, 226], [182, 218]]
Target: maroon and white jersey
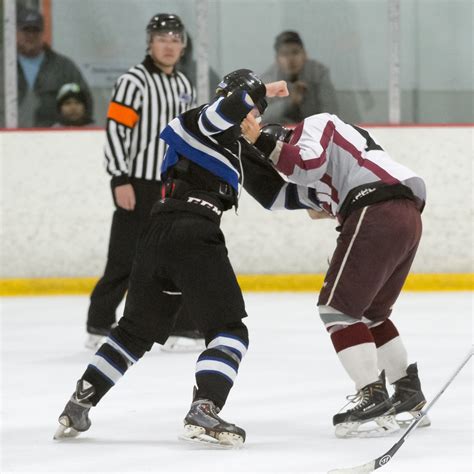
[[339, 161]]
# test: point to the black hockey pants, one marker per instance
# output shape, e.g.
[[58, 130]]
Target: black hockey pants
[[181, 259]]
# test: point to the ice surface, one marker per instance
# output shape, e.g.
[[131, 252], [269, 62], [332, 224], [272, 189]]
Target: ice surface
[[289, 386]]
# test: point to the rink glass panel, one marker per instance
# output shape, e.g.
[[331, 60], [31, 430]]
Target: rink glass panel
[[351, 37]]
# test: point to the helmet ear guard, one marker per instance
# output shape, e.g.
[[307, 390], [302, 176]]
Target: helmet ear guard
[[247, 80]]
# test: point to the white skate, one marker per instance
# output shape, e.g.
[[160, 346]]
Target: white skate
[[183, 344]]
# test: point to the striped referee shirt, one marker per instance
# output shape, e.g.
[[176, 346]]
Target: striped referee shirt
[[144, 100]]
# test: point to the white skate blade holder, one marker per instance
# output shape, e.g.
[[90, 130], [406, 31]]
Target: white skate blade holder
[[94, 341], [197, 434], [404, 419], [64, 432], [183, 344], [381, 426]]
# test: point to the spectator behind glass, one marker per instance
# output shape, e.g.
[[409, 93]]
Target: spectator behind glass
[[310, 87], [41, 73], [187, 64], [72, 107]]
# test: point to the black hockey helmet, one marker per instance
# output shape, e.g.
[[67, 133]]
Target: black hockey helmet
[[165, 23], [247, 80], [278, 132]]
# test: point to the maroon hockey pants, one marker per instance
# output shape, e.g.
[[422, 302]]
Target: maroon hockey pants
[[374, 253]]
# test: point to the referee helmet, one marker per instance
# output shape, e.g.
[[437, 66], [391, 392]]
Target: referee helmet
[[165, 23]]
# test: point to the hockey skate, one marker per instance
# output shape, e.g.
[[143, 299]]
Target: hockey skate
[[372, 416], [184, 341], [75, 417], [408, 399], [203, 425], [96, 337]]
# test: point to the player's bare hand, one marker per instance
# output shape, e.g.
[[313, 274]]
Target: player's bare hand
[[125, 197], [250, 128], [277, 89], [314, 214]]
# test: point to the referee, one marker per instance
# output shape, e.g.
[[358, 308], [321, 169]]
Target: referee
[[144, 100]]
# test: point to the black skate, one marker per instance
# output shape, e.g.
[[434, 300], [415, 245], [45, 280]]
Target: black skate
[[408, 399], [372, 405], [75, 417], [202, 424]]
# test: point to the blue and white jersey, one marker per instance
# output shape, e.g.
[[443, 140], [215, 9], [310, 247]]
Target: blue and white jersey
[[208, 136]]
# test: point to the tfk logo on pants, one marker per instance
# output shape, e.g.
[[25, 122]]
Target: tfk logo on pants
[[363, 193], [205, 204]]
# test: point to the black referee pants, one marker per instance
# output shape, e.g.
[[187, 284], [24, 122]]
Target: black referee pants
[[125, 230]]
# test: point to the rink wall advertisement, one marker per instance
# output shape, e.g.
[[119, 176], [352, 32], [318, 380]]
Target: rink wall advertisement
[[57, 207]]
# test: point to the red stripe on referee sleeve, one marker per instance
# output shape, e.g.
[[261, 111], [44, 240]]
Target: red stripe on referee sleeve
[[350, 336]]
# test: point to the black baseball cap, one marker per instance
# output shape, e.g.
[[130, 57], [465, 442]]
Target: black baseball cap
[[286, 37], [28, 18]]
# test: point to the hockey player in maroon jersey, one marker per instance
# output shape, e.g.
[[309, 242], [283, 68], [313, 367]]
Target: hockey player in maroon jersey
[[337, 170]]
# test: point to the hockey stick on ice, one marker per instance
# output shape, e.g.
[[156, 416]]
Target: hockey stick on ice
[[386, 457]]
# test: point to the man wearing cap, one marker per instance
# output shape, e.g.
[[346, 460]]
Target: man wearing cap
[[309, 84], [41, 73]]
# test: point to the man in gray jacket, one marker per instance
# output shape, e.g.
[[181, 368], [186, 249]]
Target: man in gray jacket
[[309, 84], [41, 73]]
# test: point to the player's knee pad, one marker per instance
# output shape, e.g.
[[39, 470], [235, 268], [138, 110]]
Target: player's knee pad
[[334, 320]]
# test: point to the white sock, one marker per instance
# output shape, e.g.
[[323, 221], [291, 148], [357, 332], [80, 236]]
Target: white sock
[[393, 358], [360, 363]]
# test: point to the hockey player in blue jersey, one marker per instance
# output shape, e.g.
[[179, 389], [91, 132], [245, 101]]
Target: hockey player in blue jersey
[[181, 259]]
